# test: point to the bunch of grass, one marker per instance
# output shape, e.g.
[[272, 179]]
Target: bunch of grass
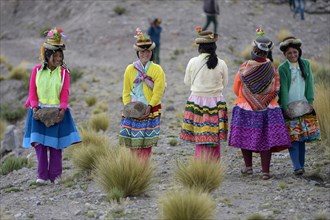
[[13, 163], [99, 122], [185, 205], [3, 125], [123, 174], [100, 108], [86, 155], [90, 100], [246, 52], [19, 73], [205, 174], [90, 136], [323, 108], [283, 33]]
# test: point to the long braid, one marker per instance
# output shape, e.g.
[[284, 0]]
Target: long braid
[[303, 73]]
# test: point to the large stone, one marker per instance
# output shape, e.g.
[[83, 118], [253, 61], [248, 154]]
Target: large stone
[[48, 116], [12, 139], [134, 110]]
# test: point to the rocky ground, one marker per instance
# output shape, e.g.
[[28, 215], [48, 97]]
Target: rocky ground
[[100, 42]]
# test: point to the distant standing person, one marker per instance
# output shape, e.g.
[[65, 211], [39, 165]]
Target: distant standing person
[[144, 82], [212, 10], [257, 123], [154, 32], [49, 90], [296, 99], [299, 8], [205, 119]]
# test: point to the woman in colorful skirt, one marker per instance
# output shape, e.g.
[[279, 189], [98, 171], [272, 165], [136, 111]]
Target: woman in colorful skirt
[[297, 86], [257, 123], [205, 120], [144, 81], [49, 90]]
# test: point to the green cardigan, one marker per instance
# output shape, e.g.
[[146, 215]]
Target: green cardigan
[[285, 79]]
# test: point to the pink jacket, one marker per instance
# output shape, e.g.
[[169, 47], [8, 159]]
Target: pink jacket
[[32, 100]]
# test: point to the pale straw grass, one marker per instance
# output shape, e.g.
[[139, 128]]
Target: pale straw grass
[[99, 121], [186, 205], [122, 174], [205, 174], [322, 108]]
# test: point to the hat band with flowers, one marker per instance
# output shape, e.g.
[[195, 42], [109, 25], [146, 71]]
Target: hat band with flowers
[[143, 41], [54, 41], [205, 37]]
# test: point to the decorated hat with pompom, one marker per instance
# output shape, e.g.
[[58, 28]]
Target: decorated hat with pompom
[[205, 37], [261, 42], [143, 41]]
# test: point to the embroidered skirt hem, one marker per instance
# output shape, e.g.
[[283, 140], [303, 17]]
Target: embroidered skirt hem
[[205, 120]]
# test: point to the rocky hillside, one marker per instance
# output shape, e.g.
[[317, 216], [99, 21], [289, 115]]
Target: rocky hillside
[[100, 43]]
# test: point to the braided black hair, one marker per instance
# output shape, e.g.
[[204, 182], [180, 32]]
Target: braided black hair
[[210, 48]]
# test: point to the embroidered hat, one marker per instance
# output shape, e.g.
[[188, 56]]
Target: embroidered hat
[[143, 41], [290, 41], [205, 37], [261, 42]]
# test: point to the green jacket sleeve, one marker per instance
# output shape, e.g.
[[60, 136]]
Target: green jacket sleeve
[[309, 83]]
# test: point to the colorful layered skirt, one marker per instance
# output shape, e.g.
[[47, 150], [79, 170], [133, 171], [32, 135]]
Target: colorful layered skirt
[[141, 133], [259, 130], [205, 120], [304, 128], [58, 136]]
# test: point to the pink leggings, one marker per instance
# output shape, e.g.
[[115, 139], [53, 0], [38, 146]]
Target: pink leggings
[[205, 149], [143, 153]]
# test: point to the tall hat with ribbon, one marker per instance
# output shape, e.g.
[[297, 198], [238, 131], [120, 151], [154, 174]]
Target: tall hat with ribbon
[[54, 41], [205, 37], [143, 41], [261, 42]]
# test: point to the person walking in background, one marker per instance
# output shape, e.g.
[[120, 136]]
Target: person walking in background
[[49, 92], [154, 32], [212, 10], [257, 123], [144, 81], [205, 120], [299, 7], [296, 99], [292, 4]]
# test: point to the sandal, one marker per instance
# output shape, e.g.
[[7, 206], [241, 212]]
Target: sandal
[[247, 171], [266, 176]]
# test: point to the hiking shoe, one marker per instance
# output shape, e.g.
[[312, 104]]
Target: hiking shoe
[[299, 172], [41, 181]]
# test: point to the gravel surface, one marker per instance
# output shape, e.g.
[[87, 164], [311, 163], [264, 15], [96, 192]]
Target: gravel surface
[[100, 42]]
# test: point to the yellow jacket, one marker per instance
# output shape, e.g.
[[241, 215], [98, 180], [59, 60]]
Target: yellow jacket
[[153, 96]]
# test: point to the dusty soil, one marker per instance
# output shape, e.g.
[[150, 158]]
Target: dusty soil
[[100, 42]]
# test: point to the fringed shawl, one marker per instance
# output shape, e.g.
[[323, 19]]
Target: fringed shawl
[[261, 83]]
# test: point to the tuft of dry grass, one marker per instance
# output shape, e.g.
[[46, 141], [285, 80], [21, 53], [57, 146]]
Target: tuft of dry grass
[[192, 174], [283, 33], [100, 108], [20, 72], [322, 108], [86, 156], [322, 215], [84, 87], [121, 173], [90, 100], [99, 122], [246, 52], [185, 205], [3, 125]]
